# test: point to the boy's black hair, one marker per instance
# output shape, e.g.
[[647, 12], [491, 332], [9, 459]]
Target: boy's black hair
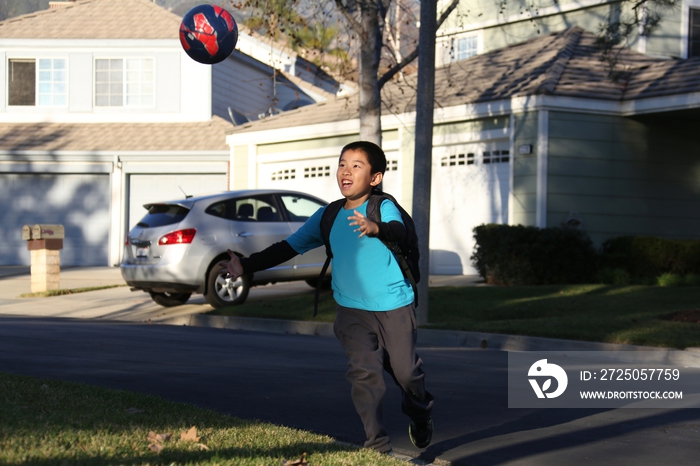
[[375, 154]]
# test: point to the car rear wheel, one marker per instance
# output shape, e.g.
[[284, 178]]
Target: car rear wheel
[[170, 299], [222, 292]]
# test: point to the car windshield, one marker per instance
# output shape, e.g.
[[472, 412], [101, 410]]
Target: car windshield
[[159, 215], [300, 208]]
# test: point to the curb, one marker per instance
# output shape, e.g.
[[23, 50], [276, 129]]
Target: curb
[[429, 338], [253, 324]]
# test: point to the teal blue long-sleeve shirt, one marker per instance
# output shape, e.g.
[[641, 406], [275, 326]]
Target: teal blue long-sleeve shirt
[[365, 274]]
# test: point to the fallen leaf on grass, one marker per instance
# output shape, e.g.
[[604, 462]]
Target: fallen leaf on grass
[[158, 438], [190, 435], [300, 462], [134, 411], [155, 447], [202, 446]]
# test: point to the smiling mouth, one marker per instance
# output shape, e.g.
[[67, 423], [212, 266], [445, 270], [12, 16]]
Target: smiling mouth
[[346, 184]]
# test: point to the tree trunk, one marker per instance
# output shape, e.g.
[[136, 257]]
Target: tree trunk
[[370, 50], [424, 148]]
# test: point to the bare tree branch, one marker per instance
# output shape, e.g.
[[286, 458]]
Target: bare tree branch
[[398, 67], [445, 14], [345, 11], [412, 56]]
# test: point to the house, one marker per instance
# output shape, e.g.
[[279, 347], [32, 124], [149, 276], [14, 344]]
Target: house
[[101, 111], [478, 26], [534, 133]]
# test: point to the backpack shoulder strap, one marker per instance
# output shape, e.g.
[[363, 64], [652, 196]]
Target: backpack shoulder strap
[[327, 220], [374, 204]]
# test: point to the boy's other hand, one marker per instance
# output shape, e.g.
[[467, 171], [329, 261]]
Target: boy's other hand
[[364, 225], [233, 268]]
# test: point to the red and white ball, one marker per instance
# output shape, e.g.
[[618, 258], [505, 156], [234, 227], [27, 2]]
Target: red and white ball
[[208, 34]]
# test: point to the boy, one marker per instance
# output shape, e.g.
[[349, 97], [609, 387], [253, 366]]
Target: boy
[[375, 321]]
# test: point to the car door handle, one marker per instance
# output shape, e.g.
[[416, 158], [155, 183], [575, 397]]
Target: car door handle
[[244, 234]]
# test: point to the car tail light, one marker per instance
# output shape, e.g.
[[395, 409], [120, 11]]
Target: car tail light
[[178, 237]]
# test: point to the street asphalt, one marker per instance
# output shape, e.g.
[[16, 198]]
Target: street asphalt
[[109, 338]]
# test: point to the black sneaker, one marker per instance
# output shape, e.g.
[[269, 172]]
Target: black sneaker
[[421, 432]]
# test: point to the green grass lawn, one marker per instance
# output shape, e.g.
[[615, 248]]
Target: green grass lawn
[[605, 313], [48, 422]]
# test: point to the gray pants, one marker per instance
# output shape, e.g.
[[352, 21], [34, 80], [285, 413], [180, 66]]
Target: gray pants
[[377, 341]]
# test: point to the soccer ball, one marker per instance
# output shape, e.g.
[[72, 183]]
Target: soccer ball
[[208, 33]]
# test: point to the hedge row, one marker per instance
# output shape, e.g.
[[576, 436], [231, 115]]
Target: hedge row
[[649, 257], [519, 255]]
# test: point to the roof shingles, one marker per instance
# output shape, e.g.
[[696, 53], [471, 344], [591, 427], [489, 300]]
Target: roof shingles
[[117, 137], [561, 64], [95, 19]]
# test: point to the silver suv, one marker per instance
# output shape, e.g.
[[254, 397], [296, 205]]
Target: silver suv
[[174, 250]]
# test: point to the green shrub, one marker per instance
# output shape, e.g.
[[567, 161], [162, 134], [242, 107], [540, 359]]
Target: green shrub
[[670, 279], [673, 279], [692, 279], [650, 257], [610, 276], [519, 255]]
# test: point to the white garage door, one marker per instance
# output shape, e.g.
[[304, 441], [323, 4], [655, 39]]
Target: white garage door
[[315, 176], [318, 176], [144, 189], [469, 187], [78, 202]]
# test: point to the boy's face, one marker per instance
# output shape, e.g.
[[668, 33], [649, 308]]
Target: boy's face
[[355, 177]]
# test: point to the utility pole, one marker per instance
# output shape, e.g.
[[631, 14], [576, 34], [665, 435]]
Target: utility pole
[[424, 147]]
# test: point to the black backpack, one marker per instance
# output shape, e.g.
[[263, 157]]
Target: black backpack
[[406, 252]]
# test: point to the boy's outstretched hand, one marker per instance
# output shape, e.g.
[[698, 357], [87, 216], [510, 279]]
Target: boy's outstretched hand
[[232, 268], [364, 225]]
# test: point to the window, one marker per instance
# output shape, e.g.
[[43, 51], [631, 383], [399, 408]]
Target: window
[[392, 165], [22, 82], [251, 209], [694, 33], [317, 172], [52, 82], [46, 88], [288, 174], [496, 156], [465, 47], [457, 159], [300, 208], [124, 82], [162, 214], [488, 157]]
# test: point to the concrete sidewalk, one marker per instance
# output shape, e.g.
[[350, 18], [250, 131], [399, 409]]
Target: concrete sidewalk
[[16, 280]]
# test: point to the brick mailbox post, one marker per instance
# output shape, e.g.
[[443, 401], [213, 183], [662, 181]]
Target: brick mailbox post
[[44, 243]]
